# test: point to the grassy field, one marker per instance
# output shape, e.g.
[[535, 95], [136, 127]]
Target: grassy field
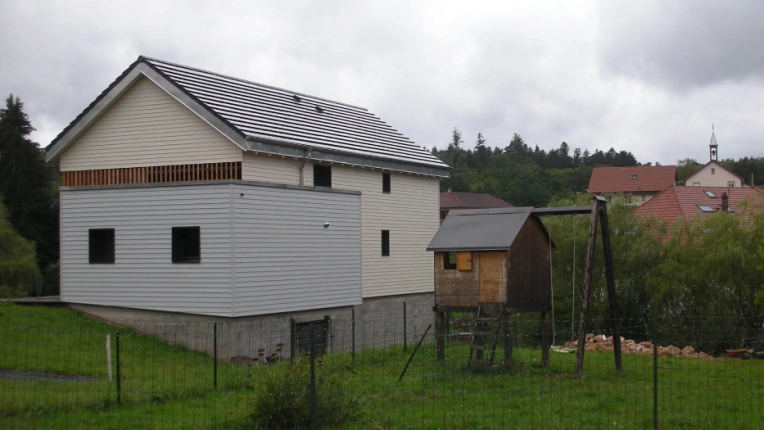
[[167, 386]]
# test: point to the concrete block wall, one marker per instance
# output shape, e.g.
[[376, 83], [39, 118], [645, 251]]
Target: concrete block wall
[[378, 324]]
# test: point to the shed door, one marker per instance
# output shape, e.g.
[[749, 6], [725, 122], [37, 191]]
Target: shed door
[[492, 279]]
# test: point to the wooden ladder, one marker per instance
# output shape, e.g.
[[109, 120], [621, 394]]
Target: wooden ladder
[[485, 335]]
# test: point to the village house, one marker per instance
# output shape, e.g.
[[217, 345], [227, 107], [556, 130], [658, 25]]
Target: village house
[[678, 202], [451, 200], [193, 196], [713, 174], [636, 184]]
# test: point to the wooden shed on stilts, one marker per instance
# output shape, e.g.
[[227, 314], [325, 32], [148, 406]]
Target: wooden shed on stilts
[[496, 263]]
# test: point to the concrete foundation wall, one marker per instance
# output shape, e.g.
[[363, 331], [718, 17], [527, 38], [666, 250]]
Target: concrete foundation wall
[[378, 323]]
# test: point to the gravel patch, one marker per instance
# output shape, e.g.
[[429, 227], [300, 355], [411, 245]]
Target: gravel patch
[[28, 375]]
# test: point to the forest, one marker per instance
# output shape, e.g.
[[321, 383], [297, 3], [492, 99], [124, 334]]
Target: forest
[[525, 176]]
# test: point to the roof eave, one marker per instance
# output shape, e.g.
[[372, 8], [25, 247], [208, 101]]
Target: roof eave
[[258, 144], [123, 83]]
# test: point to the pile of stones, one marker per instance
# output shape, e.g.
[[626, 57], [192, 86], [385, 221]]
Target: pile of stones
[[602, 343]]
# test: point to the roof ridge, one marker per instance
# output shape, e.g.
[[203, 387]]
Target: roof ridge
[[233, 78]]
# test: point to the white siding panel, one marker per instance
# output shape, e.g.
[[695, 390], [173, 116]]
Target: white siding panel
[[410, 211], [143, 275], [147, 127], [264, 168], [285, 260]]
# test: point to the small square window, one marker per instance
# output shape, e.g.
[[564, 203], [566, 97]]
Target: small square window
[[386, 183], [731, 184], [101, 246], [322, 176], [696, 184], [385, 243], [713, 171], [449, 260], [186, 245]]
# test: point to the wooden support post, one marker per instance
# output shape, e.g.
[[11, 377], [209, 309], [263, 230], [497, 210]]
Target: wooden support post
[[545, 339], [587, 288], [439, 335], [508, 347], [610, 283]]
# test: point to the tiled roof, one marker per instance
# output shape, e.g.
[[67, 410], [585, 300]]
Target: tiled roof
[[637, 179], [685, 202], [262, 118], [457, 200]]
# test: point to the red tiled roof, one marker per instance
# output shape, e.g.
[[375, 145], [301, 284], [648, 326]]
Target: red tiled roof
[[682, 202], [455, 200], [638, 179]]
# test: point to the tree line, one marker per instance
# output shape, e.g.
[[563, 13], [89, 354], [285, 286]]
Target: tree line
[[28, 209], [525, 176]]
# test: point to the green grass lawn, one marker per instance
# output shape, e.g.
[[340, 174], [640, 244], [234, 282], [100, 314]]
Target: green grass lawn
[[167, 386]]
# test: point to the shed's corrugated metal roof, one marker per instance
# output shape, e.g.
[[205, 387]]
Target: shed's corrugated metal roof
[[273, 116], [480, 229]]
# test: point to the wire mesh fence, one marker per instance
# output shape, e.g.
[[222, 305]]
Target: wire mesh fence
[[61, 369]]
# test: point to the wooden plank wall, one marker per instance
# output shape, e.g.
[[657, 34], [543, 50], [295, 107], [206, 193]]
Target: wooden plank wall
[[153, 174]]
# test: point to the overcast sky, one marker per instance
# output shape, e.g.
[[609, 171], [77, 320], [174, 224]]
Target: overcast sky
[[648, 77]]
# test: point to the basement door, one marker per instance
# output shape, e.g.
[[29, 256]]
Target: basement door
[[492, 277]]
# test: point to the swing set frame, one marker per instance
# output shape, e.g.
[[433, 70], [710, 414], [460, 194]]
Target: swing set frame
[[598, 215]]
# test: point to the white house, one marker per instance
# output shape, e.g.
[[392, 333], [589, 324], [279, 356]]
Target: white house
[[713, 174], [193, 196]]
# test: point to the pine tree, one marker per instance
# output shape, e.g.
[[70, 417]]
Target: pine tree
[[25, 187]]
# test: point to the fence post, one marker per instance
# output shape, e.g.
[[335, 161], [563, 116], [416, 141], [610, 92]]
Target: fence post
[[215, 355], [352, 322], [313, 408], [116, 349], [291, 340], [404, 327], [655, 378]]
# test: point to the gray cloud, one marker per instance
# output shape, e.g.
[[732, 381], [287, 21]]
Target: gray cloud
[[683, 45], [637, 79]]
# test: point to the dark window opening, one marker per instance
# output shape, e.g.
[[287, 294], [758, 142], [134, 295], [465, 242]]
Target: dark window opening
[[449, 260], [101, 245], [322, 176], [186, 245], [385, 243], [386, 183], [443, 215]]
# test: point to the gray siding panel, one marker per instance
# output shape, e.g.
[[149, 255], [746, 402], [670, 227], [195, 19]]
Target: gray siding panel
[[280, 258], [285, 260], [143, 275]]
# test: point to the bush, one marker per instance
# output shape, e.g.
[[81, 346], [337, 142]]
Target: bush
[[282, 395]]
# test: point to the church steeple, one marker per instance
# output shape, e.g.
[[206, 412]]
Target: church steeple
[[714, 152]]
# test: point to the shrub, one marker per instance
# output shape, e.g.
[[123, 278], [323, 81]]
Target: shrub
[[282, 395]]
